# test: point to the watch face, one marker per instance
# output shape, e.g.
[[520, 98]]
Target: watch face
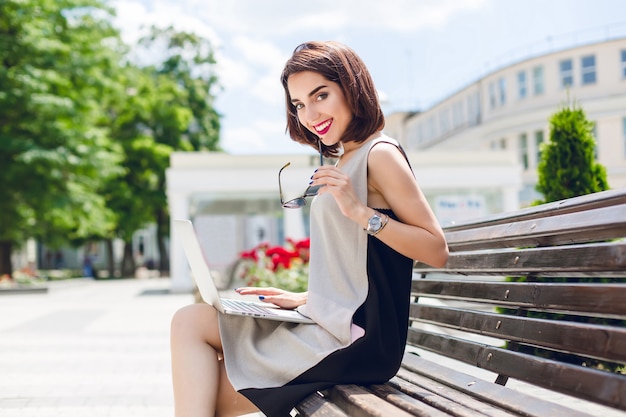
[[374, 223]]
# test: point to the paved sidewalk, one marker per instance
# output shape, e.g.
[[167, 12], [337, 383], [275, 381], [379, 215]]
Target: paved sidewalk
[[88, 349]]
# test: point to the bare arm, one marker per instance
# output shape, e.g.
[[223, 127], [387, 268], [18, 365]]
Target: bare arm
[[391, 184]]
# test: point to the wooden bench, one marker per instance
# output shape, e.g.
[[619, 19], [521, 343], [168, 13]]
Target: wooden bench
[[457, 320]]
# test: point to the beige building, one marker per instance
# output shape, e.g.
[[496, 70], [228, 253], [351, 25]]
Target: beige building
[[234, 202], [509, 109]]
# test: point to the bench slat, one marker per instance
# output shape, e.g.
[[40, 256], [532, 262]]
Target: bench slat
[[593, 341], [442, 397], [600, 224], [590, 384], [585, 202], [317, 406], [409, 403], [509, 399], [599, 260], [358, 402], [605, 299]]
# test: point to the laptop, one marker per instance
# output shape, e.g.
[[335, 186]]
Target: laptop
[[208, 290]]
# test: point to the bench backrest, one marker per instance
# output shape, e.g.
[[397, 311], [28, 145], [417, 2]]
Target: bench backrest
[[539, 330]]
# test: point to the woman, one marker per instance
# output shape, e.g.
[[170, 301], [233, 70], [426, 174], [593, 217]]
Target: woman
[[369, 222]]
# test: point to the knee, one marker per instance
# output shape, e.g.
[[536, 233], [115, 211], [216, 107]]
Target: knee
[[192, 321]]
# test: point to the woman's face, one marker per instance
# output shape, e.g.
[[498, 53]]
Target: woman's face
[[320, 104]]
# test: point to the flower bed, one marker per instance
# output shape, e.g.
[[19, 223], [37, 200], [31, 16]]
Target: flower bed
[[285, 267]]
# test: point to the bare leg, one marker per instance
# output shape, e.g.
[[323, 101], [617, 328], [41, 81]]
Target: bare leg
[[201, 388]]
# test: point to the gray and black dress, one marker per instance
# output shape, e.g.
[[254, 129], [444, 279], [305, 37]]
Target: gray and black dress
[[356, 284]]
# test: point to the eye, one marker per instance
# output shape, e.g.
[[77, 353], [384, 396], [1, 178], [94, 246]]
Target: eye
[[298, 106], [321, 97]]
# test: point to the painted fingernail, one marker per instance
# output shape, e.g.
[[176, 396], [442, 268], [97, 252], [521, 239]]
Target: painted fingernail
[[261, 297]]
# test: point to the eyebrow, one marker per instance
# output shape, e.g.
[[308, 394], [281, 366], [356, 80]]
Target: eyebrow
[[315, 90]]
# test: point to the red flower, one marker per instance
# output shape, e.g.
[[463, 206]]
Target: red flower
[[280, 257], [250, 254], [303, 244]]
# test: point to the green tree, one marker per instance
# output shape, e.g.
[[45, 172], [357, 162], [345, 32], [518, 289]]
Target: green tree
[[57, 64], [183, 118], [166, 107], [568, 167], [153, 103]]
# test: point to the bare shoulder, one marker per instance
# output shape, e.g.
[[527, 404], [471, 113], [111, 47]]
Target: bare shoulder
[[391, 183], [385, 158]]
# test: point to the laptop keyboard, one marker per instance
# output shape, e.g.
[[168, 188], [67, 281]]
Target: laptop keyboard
[[246, 307]]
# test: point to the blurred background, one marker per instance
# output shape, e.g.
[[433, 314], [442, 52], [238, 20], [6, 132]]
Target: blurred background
[[118, 116]]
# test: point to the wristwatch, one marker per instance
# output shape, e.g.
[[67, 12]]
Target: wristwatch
[[376, 223]]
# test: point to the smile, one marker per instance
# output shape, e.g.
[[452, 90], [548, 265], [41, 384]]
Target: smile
[[323, 128]]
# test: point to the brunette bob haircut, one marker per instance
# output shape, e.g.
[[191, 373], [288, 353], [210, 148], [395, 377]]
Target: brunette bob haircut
[[340, 64]]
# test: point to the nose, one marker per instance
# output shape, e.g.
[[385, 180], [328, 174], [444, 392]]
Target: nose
[[311, 115]]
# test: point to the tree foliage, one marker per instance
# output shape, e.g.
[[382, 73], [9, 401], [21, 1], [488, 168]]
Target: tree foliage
[[568, 167], [56, 64], [86, 135], [183, 117]]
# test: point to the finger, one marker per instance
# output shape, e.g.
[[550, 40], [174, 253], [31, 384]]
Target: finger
[[279, 301], [258, 291]]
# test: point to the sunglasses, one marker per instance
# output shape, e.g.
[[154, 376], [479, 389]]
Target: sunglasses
[[310, 191]]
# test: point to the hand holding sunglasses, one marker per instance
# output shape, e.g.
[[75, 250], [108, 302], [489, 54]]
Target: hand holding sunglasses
[[310, 191]]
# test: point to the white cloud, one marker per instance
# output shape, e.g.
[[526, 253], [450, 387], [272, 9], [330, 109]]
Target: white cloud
[[127, 13], [242, 140], [134, 17], [248, 35], [268, 89], [272, 17], [256, 70], [232, 73], [261, 136], [262, 53]]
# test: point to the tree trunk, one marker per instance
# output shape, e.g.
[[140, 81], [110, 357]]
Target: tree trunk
[[162, 228], [128, 261], [110, 260], [6, 267]]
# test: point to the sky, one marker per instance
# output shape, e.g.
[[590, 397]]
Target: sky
[[418, 51]]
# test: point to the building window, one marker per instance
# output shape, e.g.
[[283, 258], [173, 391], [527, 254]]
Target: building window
[[588, 69], [444, 121], [458, 115], [431, 128], [502, 90], [624, 134], [473, 109], [538, 144], [523, 150], [566, 71], [492, 95], [421, 134], [538, 80], [623, 63], [521, 84]]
